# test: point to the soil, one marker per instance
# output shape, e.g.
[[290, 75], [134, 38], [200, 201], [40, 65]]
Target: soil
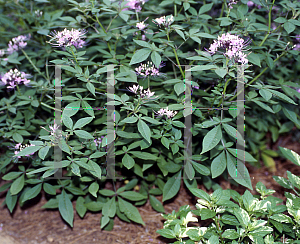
[[33, 225]]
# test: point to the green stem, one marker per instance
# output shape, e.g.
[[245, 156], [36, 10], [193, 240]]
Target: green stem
[[180, 9], [74, 55], [98, 21], [270, 18], [175, 10], [36, 68], [254, 79], [177, 60], [46, 105]]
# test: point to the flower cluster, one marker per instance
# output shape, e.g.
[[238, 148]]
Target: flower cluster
[[148, 69], [134, 4], [233, 46], [231, 2], [53, 129], [164, 21], [166, 111], [17, 43], [141, 25], [98, 141], [38, 13], [14, 78], [20, 147], [68, 38], [146, 93]]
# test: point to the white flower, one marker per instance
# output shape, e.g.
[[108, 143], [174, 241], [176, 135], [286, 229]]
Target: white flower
[[141, 25]]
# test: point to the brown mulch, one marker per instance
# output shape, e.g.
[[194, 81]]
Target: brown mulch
[[33, 225]]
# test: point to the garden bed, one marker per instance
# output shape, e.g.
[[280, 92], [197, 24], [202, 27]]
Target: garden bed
[[33, 225]]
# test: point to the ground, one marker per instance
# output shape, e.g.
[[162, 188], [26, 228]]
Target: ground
[[33, 225]]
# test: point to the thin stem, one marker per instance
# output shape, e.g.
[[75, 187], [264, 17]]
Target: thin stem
[[175, 53], [254, 79], [46, 105], [270, 18], [74, 55], [36, 68], [175, 10]]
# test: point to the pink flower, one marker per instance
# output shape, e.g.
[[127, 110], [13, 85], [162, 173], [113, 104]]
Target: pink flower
[[134, 4], [250, 4], [141, 25], [68, 38], [134, 88], [164, 21], [145, 70], [146, 93], [233, 46], [169, 113], [297, 47], [231, 2], [17, 43], [14, 78]]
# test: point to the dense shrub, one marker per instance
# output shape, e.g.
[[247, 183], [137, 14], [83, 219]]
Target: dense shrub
[[148, 43]]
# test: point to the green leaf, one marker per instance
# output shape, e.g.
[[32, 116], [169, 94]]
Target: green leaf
[[165, 142], [93, 189], [290, 155], [233, 132], [241, 155], [80, 207], [207, 214], [254, 59], [156, 204], [172, 187], [203, 67], [167, 233], [95, 169], [11, 175], [179, 88], [205, 8], [289, 27], [65, 208], [109, 208], [32, 193], [230, 234], [130, 211], [156, 58], [83, 134], [104, 221], [151, 120], [218, 165], [264, 106], [221, 72], [11, 201], [211, 139], [43, 152], [82, 122], [128, 161], [132, 196], [290, 114], [142, 43], [71, 109], [49, 189], [201, 168], [68, 122], [140, 56], [144, 130], [242, 216], [238, 171], [265, 94], [17, 137], [91, 88], [17, 185], [282, 96], [28, 150], [106, 192], [144, 155], [94, 206]]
